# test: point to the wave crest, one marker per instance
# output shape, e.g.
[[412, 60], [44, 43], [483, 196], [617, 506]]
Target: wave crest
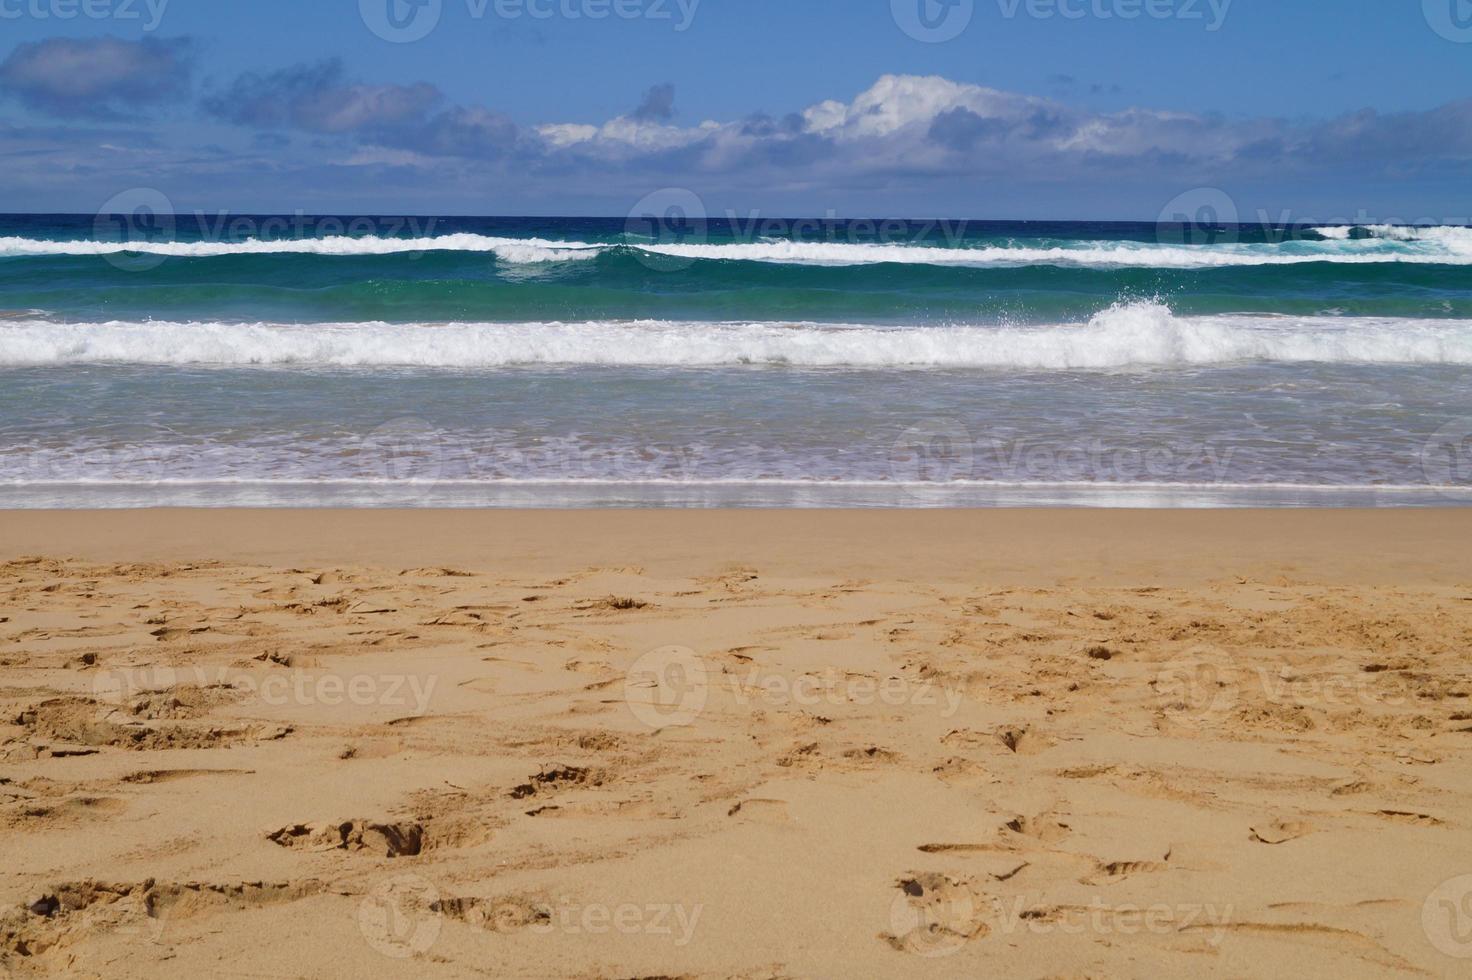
[[1374, 244], [1139, 334], [1456, 238], [512, 250]]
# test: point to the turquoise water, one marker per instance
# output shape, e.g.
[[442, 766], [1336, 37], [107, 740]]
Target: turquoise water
[[182, 359]]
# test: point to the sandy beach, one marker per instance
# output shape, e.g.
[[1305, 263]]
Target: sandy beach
[[736, 744]]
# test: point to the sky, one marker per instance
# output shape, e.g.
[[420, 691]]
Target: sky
[[1313, 110]]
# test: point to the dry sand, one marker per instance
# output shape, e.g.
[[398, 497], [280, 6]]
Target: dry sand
[[626, 744]]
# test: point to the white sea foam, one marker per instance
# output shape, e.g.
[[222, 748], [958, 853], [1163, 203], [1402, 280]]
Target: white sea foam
[[1455, 239], [1387, 244], [1125, 335], [1104, 255], [512, 250], [535, 253]]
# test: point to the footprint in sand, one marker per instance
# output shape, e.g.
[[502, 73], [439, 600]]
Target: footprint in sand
[[1116, 870], [761, 811], [383, 839], [934, 915], [1023, 740], [152, 776], [872, 754], [1041, 827], [1279, 831]]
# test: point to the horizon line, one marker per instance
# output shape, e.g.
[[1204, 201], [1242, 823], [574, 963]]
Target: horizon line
[[752, 216]]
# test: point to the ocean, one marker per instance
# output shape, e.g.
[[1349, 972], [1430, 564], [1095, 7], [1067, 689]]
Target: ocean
[[159, 359]]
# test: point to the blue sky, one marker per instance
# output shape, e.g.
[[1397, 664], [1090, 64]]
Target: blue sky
[[1034, 108]]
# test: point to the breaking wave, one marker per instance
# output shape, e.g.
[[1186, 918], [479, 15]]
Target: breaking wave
[[1143, 334]]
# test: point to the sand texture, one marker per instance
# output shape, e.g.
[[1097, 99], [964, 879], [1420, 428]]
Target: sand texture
[[736, 745]]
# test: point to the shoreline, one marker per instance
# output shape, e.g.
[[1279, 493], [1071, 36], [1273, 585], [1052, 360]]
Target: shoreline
[[854, 495], [1372, 546]]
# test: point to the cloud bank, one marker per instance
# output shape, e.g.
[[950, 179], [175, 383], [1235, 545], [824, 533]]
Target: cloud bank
[[98, 78], [904, 135]]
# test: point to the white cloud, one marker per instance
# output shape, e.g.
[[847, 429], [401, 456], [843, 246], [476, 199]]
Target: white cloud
[[899, 103], [559, 135]]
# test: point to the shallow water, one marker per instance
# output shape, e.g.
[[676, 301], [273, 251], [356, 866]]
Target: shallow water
[[545, 363]]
